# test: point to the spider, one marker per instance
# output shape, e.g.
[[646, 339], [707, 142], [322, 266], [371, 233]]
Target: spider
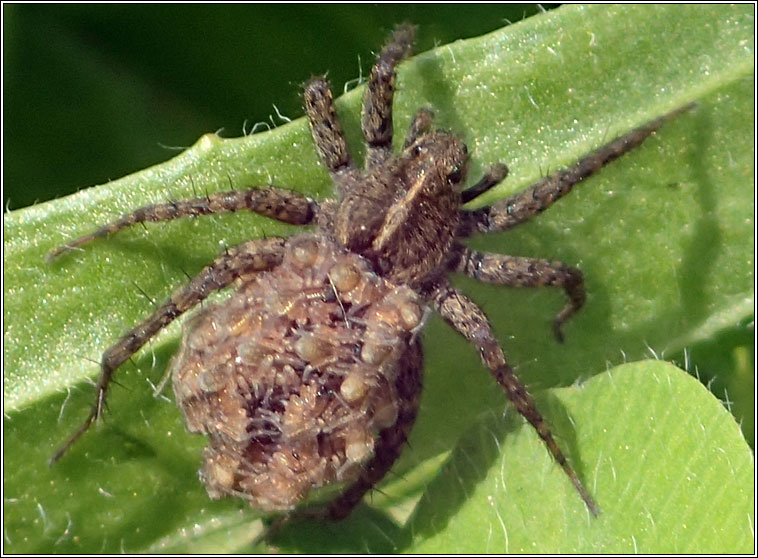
[[309, 374]]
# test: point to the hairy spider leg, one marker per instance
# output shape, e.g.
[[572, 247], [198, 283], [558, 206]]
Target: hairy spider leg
[[494, 176], [238, 262], [376, 118], [512, 271], [284, 205], [326, 129], [542, 194], [470, 321]]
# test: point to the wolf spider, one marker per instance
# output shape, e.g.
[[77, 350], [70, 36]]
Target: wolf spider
[[310, 373]]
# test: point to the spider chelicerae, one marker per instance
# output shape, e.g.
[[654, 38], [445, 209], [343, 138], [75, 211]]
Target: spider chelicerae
[[310, 373]]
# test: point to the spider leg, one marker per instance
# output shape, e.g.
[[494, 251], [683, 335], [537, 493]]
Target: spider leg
[[494, 176], [277, 203], [376, 119], [240, 261], [420, 126], [325, 128], [512, 271], [542, 194], [470, 321]]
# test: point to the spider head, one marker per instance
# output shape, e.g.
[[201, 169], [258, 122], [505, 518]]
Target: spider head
[[403, 214], [441, 157]]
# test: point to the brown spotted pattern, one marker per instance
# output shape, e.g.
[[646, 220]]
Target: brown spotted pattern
[[293, 377]]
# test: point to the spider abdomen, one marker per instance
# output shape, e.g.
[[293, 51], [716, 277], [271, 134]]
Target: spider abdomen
[[298, 377]]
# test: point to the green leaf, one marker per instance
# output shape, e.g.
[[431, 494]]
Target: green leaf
[[663, 237], [668, 465]]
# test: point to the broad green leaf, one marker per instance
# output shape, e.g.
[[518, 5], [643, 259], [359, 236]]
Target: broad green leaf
[[668, 465], [663, 237]]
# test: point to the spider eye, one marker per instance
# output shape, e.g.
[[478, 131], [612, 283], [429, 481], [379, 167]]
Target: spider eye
[[456, 175]]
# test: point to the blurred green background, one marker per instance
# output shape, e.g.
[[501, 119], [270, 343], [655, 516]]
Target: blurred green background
[[95, 92]]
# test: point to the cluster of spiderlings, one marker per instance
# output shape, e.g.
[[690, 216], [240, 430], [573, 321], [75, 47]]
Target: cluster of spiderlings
[[295, 375]]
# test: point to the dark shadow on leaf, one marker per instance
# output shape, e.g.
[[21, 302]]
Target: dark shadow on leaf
[[441, 95], [366, 530], [701, 253], [564, 431], [467, 466]]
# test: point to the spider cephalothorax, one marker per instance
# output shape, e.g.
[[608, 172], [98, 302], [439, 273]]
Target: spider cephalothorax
[[310, 373]]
